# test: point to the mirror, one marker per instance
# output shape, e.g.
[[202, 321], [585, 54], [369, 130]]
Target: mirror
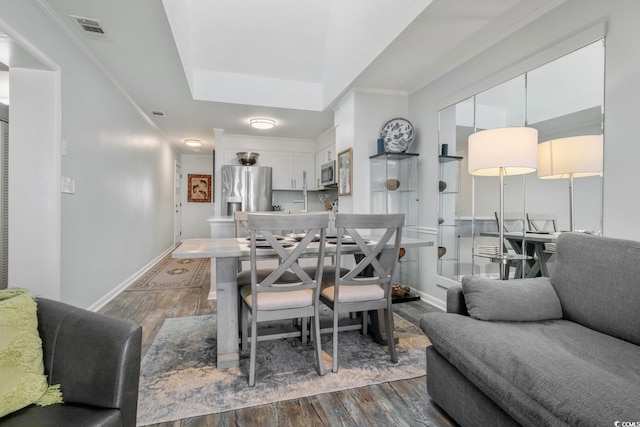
[[562, 98]]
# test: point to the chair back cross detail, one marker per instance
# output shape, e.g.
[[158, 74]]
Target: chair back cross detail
[[382, 275], [263, 225]]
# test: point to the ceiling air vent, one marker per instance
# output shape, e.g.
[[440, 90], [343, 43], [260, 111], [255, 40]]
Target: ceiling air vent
[[158, 113], [90, 27]]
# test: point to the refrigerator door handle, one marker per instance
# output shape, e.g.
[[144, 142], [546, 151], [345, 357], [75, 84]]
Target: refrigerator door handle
[[249, 187]]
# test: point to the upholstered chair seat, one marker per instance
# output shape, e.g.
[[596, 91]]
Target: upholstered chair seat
[[278, 301]]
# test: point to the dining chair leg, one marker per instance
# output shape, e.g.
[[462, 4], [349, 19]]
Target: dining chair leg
[[518, 272], [365, 322], [335, 340], [254, 345], [391, 342], [304, 330], [244, 328], [318, 346]]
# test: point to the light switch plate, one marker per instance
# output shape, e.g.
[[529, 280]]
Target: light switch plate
[[65, 147], [68, 185]]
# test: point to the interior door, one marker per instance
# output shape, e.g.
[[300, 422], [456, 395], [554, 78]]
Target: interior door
[[177, 202]]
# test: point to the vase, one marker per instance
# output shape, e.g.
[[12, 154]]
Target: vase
[[441, 251]]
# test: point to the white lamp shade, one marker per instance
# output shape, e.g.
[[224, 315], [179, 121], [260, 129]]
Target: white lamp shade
[[513, 148], [577, 155]]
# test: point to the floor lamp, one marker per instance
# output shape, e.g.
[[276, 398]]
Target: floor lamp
[[573, 157], [500, 152]]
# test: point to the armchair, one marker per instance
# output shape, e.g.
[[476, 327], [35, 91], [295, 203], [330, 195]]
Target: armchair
[[95, 359]]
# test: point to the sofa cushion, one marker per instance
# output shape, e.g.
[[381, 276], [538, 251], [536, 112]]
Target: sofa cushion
[[598, 282], [21, 361], [553, 372], [512, 300]]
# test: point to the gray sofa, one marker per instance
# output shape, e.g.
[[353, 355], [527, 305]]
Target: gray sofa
[[537, 352], [95, 359]]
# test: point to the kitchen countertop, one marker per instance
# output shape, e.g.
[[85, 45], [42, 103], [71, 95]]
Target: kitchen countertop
[[227, 219], [216, 219]]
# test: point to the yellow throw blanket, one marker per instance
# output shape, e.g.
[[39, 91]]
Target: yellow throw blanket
[[21, 359]]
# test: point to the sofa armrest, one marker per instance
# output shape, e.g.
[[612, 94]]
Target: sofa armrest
[[455, 301], [95, 358]]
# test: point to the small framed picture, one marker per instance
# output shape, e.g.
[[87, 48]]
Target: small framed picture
[[199, 188], [345, 172]]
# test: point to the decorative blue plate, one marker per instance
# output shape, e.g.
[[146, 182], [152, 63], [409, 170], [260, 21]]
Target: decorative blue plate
[[398, 135]]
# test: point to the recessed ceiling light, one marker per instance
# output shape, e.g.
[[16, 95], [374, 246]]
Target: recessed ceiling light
[[262, 124], [192, 142]]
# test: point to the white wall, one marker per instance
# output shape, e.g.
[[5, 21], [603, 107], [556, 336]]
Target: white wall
[[121, 216], [566, 28], [359, 118], [194, 215]]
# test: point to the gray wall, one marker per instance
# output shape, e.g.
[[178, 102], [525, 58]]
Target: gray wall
[[568, 27], [80, 248]]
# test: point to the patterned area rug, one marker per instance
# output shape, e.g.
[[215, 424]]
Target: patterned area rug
[[171, 273], [178, 378]]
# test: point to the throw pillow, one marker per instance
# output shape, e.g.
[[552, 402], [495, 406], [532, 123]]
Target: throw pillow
[[522, 300], [21, 359]]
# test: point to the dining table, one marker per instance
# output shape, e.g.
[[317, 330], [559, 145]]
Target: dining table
[[531, 245], [227, 253]]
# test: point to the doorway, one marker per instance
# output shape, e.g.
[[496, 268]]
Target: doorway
[[177, 216], [4, 204]]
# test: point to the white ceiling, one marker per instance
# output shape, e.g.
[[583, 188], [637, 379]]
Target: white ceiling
[[214, 64]]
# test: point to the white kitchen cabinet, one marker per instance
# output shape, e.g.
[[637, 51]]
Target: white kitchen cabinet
[[287, 170]]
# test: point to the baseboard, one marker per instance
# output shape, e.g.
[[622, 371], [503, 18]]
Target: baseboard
[[431, 300], [124, 285]]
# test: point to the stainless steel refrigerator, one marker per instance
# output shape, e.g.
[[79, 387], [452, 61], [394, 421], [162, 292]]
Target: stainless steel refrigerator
[[245, 188]]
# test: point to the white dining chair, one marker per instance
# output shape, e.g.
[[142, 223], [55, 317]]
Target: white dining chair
[[270, 298], [351, 292]]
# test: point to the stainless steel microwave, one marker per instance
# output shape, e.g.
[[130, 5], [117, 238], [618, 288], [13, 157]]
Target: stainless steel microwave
[[328, 177]]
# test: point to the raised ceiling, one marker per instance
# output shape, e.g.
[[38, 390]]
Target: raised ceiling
[[215, 64], [282, 53]]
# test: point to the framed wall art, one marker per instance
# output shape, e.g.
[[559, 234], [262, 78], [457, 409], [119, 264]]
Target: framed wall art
[[199, 188], [345, 172]]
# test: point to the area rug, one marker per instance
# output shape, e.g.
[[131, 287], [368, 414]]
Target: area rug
[[179, 379], [170, 273]]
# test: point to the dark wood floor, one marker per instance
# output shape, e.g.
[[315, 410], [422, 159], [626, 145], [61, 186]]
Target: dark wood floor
[[398, 403]]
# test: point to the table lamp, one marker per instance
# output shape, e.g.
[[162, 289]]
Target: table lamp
[[500, 152], [569, 158]]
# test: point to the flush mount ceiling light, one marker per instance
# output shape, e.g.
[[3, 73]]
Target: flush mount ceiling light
[[192, 142], [262, 124]]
